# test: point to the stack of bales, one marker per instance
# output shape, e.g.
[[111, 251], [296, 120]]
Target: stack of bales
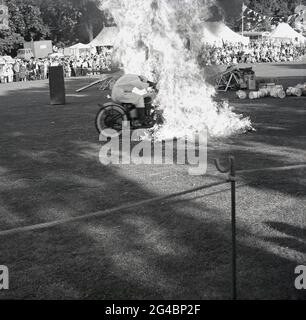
[[298, 91], [275, 91], [278, 92], [271, 89]]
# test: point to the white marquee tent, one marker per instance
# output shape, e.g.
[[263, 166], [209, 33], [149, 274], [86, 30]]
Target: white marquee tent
[[106, 38], [80, 46], [217, 33], [284, 32], [77, 49]]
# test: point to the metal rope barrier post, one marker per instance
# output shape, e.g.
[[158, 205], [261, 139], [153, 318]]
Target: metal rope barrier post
[[231, 169]]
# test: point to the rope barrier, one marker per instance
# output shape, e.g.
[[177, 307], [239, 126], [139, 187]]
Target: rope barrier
[[51, 224], [268, 169], [272, 169]]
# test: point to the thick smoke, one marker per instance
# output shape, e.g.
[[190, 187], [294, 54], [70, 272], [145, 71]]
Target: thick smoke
[[156, 39]]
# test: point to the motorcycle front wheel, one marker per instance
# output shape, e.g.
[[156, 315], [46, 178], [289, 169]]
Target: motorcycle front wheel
[[110, 117]]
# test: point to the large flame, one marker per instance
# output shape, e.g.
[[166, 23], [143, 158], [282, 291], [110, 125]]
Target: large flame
[[152, 42]]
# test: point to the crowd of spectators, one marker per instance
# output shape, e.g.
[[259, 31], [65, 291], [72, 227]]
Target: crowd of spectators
[[92, 64], [255, 52], [15, 70]]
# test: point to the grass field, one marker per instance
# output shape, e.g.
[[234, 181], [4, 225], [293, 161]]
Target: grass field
[[49, 169]]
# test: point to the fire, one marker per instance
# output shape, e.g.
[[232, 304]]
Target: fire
[[152, 42]]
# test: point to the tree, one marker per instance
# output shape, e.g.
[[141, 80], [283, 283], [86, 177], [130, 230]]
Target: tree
[[26, 19], [73, 20], [280, 8], [90, 15], [91, 19], [61, 16], [10, 42], [269, 8], [25, 23]]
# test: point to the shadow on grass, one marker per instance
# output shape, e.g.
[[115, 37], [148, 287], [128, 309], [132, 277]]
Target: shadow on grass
[[288, 230]]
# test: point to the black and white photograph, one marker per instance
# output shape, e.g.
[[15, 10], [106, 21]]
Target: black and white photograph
[[152, 153]]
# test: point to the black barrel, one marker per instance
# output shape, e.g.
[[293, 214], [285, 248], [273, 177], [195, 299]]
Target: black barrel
[[57, 85]]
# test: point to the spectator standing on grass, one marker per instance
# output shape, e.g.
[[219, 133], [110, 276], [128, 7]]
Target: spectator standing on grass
[[84, 67], [73, 68], [42, 70], [46, 68], [16, 69], [78, 68], [89, 65], [10, 73], [37, 70], [23, 72], [94, 66], [67, 69], [4, 77], [30, 70]]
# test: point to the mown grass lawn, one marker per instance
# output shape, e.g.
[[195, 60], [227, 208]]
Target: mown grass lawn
[[49, 169]]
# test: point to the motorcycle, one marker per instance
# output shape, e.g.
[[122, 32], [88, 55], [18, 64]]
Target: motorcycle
[[112, 115]]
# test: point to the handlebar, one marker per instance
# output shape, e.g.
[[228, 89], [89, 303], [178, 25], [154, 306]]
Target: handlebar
[[153, 85]]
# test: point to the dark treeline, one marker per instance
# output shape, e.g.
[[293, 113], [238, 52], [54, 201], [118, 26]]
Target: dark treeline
[[62, 21]]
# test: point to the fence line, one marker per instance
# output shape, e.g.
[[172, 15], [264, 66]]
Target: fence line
[[272, 169], [267, 169], [51, 224]]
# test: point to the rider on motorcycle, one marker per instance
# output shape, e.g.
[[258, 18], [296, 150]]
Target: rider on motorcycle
[[133, 89]]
